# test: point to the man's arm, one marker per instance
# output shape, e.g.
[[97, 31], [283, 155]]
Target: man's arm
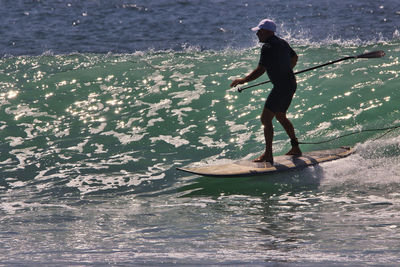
[[252, 76], [293, 61]]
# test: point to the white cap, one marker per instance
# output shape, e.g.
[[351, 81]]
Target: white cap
[[266, 24]]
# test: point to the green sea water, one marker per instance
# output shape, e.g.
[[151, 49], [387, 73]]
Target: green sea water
[[84, 118], [105, 133]]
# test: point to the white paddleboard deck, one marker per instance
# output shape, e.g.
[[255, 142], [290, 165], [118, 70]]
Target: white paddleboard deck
[[281, 163]]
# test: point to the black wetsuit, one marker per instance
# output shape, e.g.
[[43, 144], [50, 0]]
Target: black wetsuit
[[276, 56]]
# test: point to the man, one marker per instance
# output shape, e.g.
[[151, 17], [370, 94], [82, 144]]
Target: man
[[277, 59]]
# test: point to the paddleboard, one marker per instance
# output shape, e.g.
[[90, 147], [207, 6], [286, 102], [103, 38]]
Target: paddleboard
[[281, 164]]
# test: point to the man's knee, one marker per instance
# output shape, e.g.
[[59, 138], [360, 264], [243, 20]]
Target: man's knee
[[266, 117], [281, 117]]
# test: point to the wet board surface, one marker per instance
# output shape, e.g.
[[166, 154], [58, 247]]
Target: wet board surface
[[281, 164]]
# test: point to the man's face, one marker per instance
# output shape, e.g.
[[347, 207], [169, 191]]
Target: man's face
[[263, 35]]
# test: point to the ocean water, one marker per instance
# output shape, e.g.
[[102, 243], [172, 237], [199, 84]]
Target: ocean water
[[100, 101]]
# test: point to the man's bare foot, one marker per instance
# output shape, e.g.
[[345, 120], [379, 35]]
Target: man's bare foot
[[295, 151], [264, 158]]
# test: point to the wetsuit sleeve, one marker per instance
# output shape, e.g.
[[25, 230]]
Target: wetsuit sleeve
[[264, 55], [292, 52]]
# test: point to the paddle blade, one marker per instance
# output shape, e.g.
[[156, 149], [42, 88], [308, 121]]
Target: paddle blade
[[373, 54]]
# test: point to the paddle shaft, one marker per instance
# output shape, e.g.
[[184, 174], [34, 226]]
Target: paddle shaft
[[374, 54]]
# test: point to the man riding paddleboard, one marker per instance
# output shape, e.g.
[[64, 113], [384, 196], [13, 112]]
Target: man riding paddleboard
[[277, 59]]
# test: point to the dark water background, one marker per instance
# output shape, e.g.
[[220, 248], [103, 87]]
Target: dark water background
[[99, 26]]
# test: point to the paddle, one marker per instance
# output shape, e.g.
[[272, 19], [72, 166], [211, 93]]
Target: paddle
[[374, 54]]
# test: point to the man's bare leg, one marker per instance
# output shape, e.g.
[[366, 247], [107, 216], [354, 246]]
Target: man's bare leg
[[266, 119], [288, 126]]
